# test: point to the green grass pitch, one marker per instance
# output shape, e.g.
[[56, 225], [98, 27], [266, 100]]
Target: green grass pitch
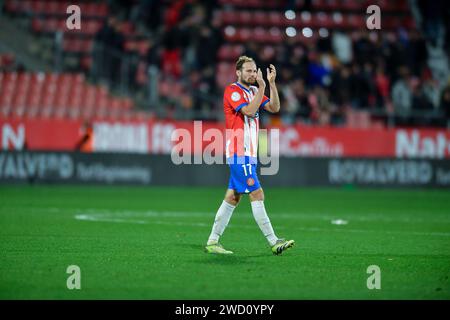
[[147, 243]]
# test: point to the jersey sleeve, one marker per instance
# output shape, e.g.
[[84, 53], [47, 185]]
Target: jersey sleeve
[[235, 98], [264, 102]]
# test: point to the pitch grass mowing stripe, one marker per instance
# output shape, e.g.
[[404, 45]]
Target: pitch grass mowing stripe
[[404, 232]]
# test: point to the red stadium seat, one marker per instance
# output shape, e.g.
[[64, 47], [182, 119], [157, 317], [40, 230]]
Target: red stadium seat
[[230, 52], [260, 18], [275, 19], [56, 8], [355, 21], [352, 5], [6, 60], [224, 52], [127, 29], [94, 9], [12, 6], [260, 34], [126, 104], [358, 119], [78, 45], [227, 17], [91, 27], [244, 18], [5, 105], [37, 25], [244, 34], [37, 6], [33, 98], [52, 95], [323, 20]]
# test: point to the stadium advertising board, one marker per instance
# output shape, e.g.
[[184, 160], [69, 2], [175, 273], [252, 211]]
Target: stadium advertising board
[[139, 169], [155, 137], [67, 167]]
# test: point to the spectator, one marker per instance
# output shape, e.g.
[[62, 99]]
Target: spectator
[[109, 51], [419, 100], [207, 45], [296, 103], [416, 53], [445, 105], [153, 54], [316, 71], [393, 53], [85, 143], [299, 62], [173, 14], [342, 46], [341, 86], [252, 49], [116, 50], [320, 106], [402, 95], [364, 49], [149, 11], [382, 84], [361, 85], [171, 53], [431, 90], [303, 110], [432, 14], [317, 80], [102, 57]]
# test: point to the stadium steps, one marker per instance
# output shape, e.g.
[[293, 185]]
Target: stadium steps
[[15, 39]]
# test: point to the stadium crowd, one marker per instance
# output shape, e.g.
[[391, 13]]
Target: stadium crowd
[[380, 72]]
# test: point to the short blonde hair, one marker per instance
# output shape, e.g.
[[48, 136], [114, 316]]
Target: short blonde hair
[[241, 60]]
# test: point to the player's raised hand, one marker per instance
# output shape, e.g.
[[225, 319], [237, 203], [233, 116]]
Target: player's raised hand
[[271, 74], [259, 78]]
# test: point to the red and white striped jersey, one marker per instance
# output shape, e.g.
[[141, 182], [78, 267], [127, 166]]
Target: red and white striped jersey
[[242, 131]]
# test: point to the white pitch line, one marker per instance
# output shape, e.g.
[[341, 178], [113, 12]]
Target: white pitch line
[[306, 216], [350, 216], [406, 217], [109, 217], [87, 217]]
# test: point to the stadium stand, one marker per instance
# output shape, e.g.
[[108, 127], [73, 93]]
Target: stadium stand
[[52, 95], [331, 69]]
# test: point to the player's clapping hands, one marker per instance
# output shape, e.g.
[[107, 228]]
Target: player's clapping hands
[[260, 79], [271, 73]]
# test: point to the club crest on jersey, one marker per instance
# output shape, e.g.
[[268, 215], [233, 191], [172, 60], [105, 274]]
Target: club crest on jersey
[[250, 182], [235, 96]]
